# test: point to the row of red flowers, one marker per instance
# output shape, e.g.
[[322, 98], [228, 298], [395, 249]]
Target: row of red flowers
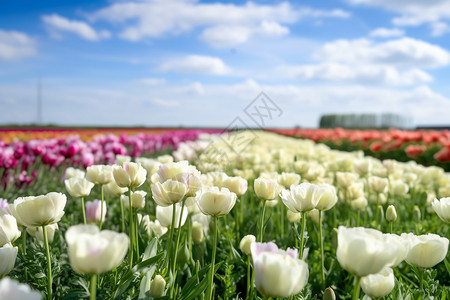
[[413, 143]]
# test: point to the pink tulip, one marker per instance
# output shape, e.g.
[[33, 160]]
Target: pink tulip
[[93, 211]]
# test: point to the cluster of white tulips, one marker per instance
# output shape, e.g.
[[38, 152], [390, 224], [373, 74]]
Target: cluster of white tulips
[[173, 226]]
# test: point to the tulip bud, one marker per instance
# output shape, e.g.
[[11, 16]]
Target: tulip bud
[[114, 190], [266, 189], [356, 190], [157, 286], [183, 255], [359, 204], [138, 199], [215, 202], [271, 264], [169, 170], [442, 208], [194, 184], [8, 228], [380, 284], [99, 174], [237, 185], [288, 179], [129, 175], [164, 159], [169, 192], [78, 187], [391, 214], [8, 255], [197, 232], [378, 184], [120, 159], [72, 172], [94, 210], [246, 242], [293, 217], [345, 179], [329, 294], [399, 188]]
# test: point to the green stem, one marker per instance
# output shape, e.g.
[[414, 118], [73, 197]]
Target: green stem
[[189, 237], [252, 291], [421, 278], [83, 208], [93, 287], [49, 264], [262, 222], [302, 233], [282, 213], [24, 250], [390, 227], [136, 233], [248, 277], [356, 288], [24, 242], [176, 246], [213, 260], [131, 228], [169, 247], [378, 211], [321, 250], [122, 214], [358, 217], [237, 223], [101, 210]]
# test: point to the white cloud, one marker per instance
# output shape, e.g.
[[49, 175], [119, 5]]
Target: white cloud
[[405, 52], [56, 24], [439, 28], [368, 74], [15, 45], [197, 64], [412, 12], [231, 35], [273, 28], [168, 105], [386, 32], [152, 81], [226, 36], [158, 18]]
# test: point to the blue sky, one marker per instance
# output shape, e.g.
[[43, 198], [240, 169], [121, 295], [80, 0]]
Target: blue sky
[[201, 63]]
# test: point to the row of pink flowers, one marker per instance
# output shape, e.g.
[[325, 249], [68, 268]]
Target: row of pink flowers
[[19, 159]]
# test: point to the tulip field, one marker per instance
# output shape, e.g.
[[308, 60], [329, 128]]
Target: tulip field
[[202, 214], [428, 147]]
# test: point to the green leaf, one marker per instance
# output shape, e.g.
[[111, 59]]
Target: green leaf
[[151, 249], [447, 266], [192, 288], [133, 273], [145, 284]]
